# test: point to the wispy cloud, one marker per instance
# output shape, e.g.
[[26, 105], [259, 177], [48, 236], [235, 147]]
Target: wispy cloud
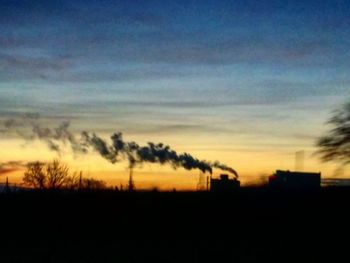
[[75, 42], [11, 166], [231, 69]]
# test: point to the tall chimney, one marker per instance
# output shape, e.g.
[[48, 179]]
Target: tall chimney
[[299, 160], [131, 185]]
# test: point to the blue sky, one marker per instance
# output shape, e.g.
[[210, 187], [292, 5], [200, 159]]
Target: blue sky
[[251, 74]]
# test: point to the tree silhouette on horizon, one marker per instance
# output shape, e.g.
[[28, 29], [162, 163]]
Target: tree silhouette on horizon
[[335, 145], [55, 175]]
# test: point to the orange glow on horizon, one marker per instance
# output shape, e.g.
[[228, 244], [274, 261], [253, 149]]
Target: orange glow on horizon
[[252, 166]]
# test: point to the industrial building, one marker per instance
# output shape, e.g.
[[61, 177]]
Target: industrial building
[[295, 180], [224, 184]]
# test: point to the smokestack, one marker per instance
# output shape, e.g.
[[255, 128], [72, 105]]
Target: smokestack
[[7, 186], [201, 182], [299, 160], [131, 185]]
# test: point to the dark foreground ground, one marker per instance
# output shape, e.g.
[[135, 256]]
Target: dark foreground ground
[[253, 225]]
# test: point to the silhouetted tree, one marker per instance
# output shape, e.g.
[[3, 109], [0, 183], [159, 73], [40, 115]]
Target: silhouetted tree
[[78, 182], [55, 175], [73, 182], [92, 184], [35, 175], [335, 145]]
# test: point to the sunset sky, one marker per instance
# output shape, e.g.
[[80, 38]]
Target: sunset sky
[[247, 83]]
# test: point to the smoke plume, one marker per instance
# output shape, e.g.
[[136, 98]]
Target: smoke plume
[[29, 128], [150, 153], [224, 167]]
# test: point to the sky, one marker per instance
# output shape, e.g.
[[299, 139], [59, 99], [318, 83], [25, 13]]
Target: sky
[[248, 83]]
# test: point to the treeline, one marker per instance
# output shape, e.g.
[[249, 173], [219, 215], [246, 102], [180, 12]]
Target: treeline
[[56, 175]]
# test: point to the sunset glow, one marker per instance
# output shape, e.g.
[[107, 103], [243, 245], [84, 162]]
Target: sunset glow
[[245, 84]]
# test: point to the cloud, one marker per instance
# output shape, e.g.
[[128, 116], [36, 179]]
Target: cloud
[[20, 67], [148, 128], [105, 61], [11, 166], [38, 63], [84, 42]]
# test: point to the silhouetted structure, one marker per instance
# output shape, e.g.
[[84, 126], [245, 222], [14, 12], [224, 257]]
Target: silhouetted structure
[[335, 182], [201, 185], [224, 184], [295, 180], [131, 185], [6, 187], [299, 160]]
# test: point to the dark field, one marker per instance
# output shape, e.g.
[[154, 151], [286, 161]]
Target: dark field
[[252, 225]]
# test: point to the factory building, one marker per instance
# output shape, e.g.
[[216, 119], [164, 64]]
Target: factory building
[[224, 184], [295, 180]]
